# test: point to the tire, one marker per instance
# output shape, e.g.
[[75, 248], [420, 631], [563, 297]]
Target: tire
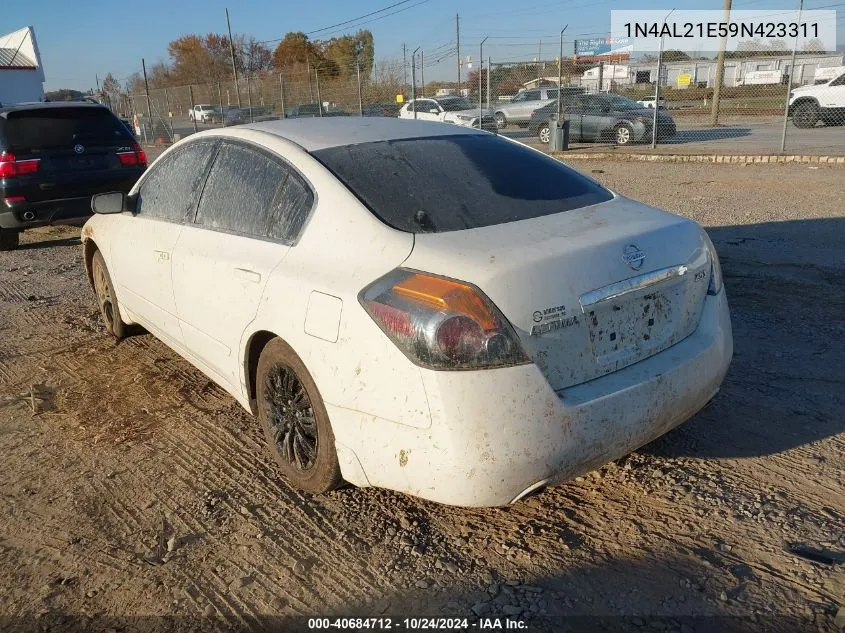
[[805, 115], [301, 438], [544, 133], [501, 120], [106, 297], [623, 134], [9, 240]]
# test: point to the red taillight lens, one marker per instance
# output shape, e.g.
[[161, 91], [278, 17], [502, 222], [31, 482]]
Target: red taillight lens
[[10, 200], [441, 323], [128, 159], [11, 167], [142, 157]]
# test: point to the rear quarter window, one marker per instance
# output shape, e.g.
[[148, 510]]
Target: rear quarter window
[[458, 182]]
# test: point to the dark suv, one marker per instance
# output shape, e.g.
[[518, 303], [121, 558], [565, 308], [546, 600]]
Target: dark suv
[[54, 157]]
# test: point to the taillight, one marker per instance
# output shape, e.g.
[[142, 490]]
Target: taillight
[[11, 167], [441, 323], [137, 157]]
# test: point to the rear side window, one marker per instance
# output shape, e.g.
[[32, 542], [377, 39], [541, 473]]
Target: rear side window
[[170, 187], [253, 193], [451, 183], [31, 130]]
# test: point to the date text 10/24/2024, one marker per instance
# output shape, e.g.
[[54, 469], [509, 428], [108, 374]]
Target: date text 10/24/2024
[[417, 624]]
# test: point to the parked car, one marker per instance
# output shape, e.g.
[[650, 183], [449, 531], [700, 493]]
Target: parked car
[[648, 102], [54, 157], [416, 306], [238, 116], [455, 110], [382, 109], [202, 113], [304, 110], [604, 117], [518, 110], [822, 102]]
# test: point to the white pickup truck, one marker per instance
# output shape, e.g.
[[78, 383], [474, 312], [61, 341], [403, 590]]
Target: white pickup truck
[[821, 102]]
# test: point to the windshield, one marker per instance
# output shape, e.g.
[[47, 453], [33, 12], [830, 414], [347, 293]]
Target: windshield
[[458, 182], [455, 105], [619, 103]]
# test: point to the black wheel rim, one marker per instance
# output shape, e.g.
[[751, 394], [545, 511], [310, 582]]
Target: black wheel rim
[[291, 418]]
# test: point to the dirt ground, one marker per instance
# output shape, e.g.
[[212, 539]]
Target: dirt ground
[[133, 488]]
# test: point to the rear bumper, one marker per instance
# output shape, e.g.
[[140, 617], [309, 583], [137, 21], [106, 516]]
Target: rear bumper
[[27, 215], [497, 434], [66, 207]]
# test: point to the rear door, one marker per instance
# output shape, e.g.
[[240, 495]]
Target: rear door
[[76, 148], [252, 208], [142, 250]]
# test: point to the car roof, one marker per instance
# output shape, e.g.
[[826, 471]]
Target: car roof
[[322, 133], [48, 105]]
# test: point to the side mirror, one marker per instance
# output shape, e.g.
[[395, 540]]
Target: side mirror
[[107, 203]]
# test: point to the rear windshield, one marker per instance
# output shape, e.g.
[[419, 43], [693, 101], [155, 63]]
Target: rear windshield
[[450, 183], [61, 127]]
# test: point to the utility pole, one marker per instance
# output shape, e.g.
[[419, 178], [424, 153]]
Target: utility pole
[[405, 66], [720, 69], [458, 40], [489, 70], [360, 98], [657, 85], [97, 79], [232, 51]]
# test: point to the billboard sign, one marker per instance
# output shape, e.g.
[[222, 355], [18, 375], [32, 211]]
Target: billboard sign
[[599, 46]]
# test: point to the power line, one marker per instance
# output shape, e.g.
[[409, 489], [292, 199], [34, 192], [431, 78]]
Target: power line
[[360, 17]]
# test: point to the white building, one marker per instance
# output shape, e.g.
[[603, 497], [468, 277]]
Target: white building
[[21, 72]]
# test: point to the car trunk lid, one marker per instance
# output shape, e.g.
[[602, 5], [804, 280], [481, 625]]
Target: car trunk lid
[[588, 291]]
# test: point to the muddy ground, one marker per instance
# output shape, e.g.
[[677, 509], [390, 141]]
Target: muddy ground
[[133, 487]]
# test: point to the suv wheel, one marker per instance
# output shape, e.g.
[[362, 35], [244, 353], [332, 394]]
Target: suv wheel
[[501, 120], [544, 133], [8, 240], [806, 115]]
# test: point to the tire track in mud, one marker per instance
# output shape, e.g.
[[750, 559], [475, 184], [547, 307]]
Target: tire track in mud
[[227, 476]]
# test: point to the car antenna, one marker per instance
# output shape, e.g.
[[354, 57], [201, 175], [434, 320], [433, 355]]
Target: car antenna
[[423, 221]]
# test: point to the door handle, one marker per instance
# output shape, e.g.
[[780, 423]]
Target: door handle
[[247, 275], [162, 256]]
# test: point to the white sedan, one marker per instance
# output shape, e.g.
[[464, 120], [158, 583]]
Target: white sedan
[[452, 109], [648, 102], [416, 306]]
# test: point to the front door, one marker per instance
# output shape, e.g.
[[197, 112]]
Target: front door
[[166, 198]]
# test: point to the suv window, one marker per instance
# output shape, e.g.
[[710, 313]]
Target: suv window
[[551, 93], [31, 130], [252, 193], [169, 189], [532, 95], [458, 182], [838, 82]]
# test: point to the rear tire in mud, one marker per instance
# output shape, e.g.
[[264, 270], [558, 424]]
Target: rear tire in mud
[[9, 240], [106, 297], [295, 421]]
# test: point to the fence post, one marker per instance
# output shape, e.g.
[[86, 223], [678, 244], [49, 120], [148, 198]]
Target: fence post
[[249, 97], [191, 101], [422, 73], [360, 99], [310, 85], [480, 74], [789, 82], [282, 92], [720, 69], [319, 96], [220, 102], [489, 68]]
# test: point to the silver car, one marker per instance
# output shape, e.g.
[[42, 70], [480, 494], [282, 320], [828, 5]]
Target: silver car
[[518, 111]]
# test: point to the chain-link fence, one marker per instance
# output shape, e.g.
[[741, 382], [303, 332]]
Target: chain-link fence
[[761, 105]]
